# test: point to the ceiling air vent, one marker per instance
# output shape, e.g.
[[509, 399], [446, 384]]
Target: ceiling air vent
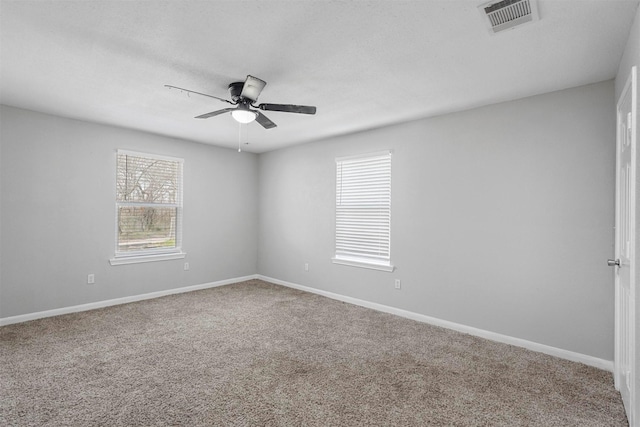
[[505, 14]]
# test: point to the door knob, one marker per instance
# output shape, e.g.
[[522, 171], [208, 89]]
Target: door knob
[[612, 262]]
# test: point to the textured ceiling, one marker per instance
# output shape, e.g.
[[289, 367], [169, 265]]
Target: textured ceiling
[[364, 64]]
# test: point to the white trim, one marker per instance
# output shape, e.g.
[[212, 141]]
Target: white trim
[[136, 259], [362, 264], [363, 211], [117, 301], [632, 404], [606, 365], [149, 155], [149, 205], [366, 155]]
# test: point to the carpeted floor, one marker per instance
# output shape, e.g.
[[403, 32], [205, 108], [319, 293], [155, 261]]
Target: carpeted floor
[[257, 354]]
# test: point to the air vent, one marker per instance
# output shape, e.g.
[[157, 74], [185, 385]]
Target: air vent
[[506, 14]]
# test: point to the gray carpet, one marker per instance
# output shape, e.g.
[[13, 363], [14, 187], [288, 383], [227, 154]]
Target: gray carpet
[[257, 354]]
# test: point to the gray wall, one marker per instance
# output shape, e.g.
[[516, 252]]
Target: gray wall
[[502, 218], [58, 224]]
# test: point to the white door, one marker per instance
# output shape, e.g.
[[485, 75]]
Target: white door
[[625, 363]]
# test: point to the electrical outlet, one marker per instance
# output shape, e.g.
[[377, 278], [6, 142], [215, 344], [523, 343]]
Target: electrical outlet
[[91, 279], [397, 284], [186, 266], [306, 266]]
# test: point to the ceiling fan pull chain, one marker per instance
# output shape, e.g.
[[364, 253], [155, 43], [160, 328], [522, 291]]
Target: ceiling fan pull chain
[[239, 137]]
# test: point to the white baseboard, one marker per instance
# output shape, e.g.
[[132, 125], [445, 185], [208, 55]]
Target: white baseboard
[[542, 348], [117, 301], [606, 365]]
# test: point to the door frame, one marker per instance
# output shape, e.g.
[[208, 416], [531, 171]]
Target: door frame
[[630, 87]]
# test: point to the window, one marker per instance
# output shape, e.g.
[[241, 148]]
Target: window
[[148, 208], [363, 211]]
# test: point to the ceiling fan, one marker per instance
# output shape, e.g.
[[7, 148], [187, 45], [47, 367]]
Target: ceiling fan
[[244, 96]]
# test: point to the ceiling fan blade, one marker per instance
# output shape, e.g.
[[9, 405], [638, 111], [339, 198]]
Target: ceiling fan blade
[[198, 93], [264, 121], [252, 88], [215, 113], [288, 108]]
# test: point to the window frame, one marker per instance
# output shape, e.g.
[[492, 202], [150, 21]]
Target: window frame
[[353, 259], [155, 254]]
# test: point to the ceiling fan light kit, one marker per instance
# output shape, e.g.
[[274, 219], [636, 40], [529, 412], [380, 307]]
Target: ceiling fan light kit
[[243, 116], [243, 96]]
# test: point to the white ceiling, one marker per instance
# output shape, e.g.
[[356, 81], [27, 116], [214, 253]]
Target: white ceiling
[[364, 64]]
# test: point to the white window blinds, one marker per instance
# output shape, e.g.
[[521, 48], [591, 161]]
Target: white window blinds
[[148, 204], [363, 211]]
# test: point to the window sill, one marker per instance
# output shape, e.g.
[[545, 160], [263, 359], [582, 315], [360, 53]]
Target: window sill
[[136, 259], [363, 264]]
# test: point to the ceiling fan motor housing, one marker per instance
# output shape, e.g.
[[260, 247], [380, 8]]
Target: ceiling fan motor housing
[[235, 89]]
